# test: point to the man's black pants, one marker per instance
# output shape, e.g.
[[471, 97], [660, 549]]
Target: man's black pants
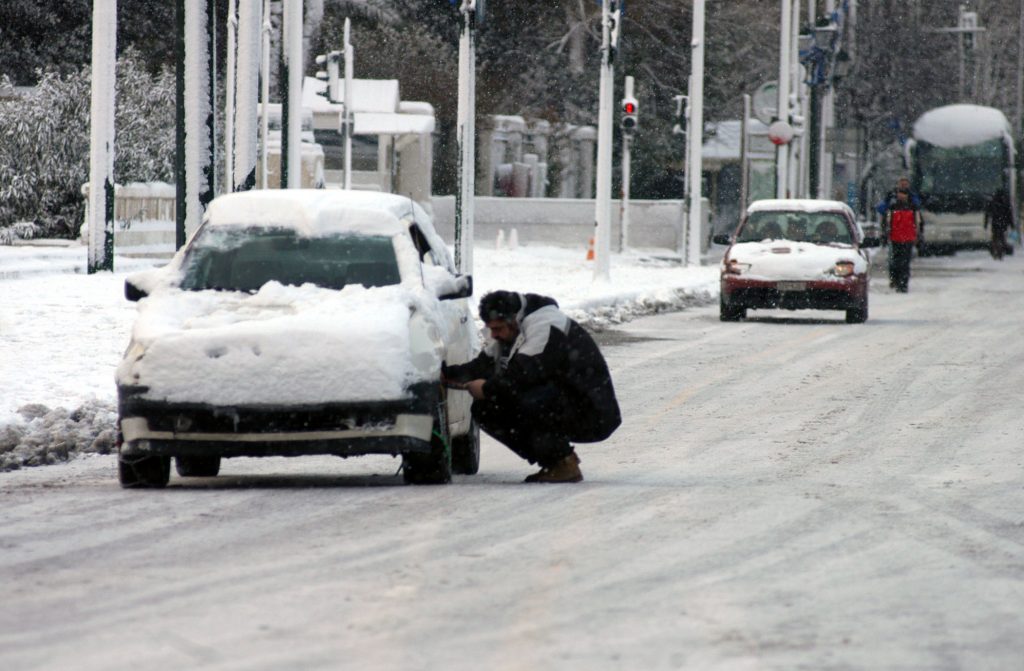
[[536, 424], [899, 264]]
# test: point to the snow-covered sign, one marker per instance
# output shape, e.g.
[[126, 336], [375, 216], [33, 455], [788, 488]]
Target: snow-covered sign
[[961, 126]]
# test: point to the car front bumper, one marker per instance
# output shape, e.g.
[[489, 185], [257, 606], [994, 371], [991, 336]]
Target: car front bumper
[[839, 294], [344, 429]]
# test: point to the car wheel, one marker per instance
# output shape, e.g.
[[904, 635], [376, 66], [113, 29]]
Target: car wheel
[[197, 467], [730, 313], [148, 472], [857, 315], [466, 451], [435, 466]]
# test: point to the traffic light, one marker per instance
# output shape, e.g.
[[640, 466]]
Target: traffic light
[[630, 110], [332, 75], [682, 114]]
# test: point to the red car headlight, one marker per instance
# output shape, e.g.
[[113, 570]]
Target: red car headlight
[[843, 269], [734, 267]]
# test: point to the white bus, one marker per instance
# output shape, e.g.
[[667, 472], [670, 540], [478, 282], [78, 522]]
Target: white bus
[[959, 156]]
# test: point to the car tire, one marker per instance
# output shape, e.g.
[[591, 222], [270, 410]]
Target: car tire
[[197, 467], [466, 451], [433, 467], [149, 472], [730, 313], [857, 315]]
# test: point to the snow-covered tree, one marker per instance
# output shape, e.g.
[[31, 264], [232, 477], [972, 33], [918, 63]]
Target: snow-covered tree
[[44, 152]]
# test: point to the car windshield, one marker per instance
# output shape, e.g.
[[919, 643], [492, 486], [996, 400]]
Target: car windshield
[[244, 259], [817, 227]]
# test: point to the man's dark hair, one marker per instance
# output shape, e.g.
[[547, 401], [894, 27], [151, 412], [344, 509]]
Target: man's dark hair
[[503, 305]]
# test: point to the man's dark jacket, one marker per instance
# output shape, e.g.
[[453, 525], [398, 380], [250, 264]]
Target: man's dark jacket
[[551, 349]]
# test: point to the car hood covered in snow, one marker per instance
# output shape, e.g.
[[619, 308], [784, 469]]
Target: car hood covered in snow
[[283, 344], [788, 260]]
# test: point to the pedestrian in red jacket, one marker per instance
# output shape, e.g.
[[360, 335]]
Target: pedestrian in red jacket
[[904, 221]]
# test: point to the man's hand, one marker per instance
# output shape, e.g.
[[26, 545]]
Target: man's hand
[[476, 389]]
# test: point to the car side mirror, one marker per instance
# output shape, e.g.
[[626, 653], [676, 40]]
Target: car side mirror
[[461, 287], [870, 241], [722, 239], [134, 292]]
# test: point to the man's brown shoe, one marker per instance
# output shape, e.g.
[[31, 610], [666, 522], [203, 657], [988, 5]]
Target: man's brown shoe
[[565, 470]]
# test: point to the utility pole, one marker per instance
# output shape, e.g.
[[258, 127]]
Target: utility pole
[[291, 107], [695, 167], [610, 17], [264, 91], [230, 89], [1019, 126], [782, 150], [250, 24], [195, 154], [349, 114], [465, 196], [101, 140]]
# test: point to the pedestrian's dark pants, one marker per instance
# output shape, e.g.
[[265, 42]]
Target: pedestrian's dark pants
[[998, 247], [899, 265], [535, 425]]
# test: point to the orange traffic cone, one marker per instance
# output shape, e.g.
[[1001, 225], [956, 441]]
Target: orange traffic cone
[[590, 250]]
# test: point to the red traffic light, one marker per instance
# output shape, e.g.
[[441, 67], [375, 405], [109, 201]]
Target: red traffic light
[[629, 108]]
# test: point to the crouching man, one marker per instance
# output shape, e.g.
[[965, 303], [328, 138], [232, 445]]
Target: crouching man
[[540, 383]]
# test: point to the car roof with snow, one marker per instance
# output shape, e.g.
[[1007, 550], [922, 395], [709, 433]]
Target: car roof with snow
[[314, 212], [799, 205]]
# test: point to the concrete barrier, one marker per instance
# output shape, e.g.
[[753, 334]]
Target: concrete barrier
[[567, 222], [144, 219]]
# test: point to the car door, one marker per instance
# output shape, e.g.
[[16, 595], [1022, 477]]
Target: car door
[[459, 329]]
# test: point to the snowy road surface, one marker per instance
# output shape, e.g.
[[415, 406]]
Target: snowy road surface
[[787, 492]]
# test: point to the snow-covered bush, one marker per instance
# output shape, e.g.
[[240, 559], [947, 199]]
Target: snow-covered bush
[[44, 143]]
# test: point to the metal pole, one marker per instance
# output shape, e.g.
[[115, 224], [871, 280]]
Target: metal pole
[[627, 143], [291, 114], [264, 92], [961, 37], [101, 141], [465, 196], [684, 223], [250, 22], [179, 124], [798, 149], [195, 128], [745, 154], [349, 114], [230, 89], [814, 148], [1020, 75], [603, 197], [782, 151], [696, 126]]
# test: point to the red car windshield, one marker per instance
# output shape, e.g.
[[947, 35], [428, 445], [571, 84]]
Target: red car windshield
[[817, 227]]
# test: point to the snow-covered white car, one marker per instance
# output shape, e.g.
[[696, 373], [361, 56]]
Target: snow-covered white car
[[796, 254], [298, 322]]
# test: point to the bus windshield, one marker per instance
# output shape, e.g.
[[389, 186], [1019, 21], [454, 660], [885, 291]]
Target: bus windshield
[[964, 176]]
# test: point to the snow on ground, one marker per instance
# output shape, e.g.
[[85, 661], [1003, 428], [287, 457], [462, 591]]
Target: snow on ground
[[62, 332]]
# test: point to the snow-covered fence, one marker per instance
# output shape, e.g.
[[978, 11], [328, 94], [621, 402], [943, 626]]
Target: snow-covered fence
[[144, 219], [566, 221]]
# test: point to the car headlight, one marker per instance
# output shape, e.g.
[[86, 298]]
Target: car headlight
[[734, 267], [843, 269]]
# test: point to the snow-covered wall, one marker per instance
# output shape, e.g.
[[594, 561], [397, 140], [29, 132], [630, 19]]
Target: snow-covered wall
[[566, 221]]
